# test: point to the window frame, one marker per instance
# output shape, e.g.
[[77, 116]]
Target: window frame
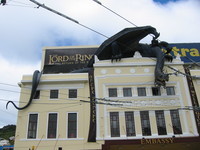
[[156, 93], [72, 92], [175, 118], [130, 123], [161, 123], [169, 92], [48, 123], [141, 91], [112, 90], [127, 93], [36, 129], [76, 134], [52, 92], [114, 132], [145, 123]]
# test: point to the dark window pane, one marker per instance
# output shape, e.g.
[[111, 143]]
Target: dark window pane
[[53, 94], [114, 124], [170, 90], [72, 125], [72, 93], [112, 92], [156, 91], [130, 124], [141, 91], [127, 92], [160, 120], [37, 95], [145, 122], [32, 126], [52, 125], [176, 124]]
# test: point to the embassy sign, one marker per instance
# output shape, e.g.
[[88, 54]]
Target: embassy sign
[[157, 141], [67, 59]]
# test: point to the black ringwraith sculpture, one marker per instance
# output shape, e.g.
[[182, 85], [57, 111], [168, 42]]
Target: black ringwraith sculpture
[[125, 43]]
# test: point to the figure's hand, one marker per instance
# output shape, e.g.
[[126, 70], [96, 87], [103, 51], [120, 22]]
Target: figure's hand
[[156, 35], [169, 58], [116, 57], [161, 80]]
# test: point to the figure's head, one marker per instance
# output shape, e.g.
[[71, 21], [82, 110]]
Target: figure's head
[[154, 42]]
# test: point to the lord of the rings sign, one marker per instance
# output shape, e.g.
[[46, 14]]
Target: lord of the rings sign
[[66, 60]]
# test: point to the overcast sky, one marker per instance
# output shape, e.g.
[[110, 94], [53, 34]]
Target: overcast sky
[[25, 30]]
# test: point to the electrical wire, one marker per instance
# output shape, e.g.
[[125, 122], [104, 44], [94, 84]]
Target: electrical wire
[[62, 94], [69, 18], [15, 1], [114, 12], [53, 109], [7, 112], [75, 21], [45, 91], [99, 3], [20, 5], [45, 103]]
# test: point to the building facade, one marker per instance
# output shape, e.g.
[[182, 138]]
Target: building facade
[[115, 106]]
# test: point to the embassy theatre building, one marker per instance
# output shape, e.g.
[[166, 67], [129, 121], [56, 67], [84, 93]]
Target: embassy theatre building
[[113, 106]]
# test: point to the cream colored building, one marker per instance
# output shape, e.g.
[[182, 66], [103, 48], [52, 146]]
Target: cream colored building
[[130, 111]]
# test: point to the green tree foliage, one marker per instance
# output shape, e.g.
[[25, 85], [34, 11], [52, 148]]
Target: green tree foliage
[[7, 131]]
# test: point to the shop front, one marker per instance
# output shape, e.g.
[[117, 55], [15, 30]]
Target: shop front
[[154, 144]]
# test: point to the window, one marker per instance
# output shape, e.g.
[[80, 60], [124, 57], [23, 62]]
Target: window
[[160, 120], [130, 124], [114, 124], [170, 90], [72, 93], [127, 92], [176, 124], [52, 125], [112, 92], [145, 122], [141, 91], [37, 95], [72, 125], [32, 126], [53, 94], [156, 91]]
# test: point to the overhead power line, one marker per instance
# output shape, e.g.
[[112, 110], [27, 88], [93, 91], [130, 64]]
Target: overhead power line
[[66, 17], [114, 12], [101, 103], [75, 21]]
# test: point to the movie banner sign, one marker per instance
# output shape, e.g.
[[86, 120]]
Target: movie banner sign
[[69, 59], [92, 129], [189, 52], [193, 96]]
